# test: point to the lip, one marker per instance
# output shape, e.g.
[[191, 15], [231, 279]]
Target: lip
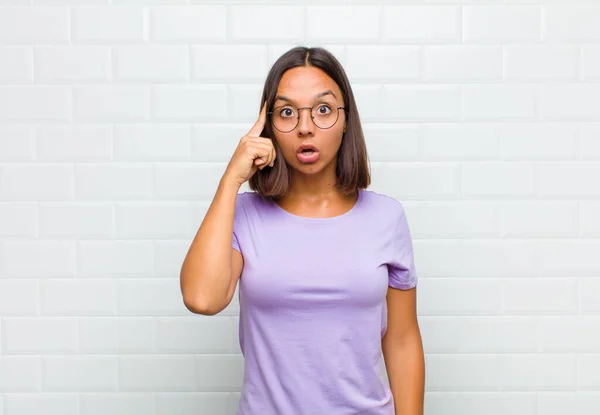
[[307, 158], [307, 146]]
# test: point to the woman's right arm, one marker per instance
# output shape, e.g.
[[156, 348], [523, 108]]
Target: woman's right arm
[[207, 271], [212, 267]]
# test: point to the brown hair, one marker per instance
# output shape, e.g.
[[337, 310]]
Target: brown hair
[[352, 166]]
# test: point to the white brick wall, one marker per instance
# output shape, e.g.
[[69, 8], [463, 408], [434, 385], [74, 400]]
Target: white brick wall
[[117, 119]]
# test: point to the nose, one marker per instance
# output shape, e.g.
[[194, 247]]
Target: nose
[[305, 123]]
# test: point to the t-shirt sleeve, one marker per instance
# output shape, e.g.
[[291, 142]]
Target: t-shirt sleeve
[[401, 268], [237, 223]]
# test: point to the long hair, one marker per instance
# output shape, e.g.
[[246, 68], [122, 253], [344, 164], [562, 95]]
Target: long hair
[[352, 166]]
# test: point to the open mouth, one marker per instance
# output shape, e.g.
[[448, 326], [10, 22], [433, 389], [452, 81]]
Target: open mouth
[[307, 154]]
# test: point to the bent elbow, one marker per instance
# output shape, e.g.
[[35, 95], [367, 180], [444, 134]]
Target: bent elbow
[[193, 304]]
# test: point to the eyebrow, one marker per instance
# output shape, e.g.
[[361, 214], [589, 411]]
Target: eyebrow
[[319, 95]]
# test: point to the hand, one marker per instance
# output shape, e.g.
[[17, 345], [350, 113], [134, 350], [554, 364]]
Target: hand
[[252, 153]]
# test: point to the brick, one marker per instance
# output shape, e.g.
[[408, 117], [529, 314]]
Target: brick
[[186, 403], [335, 24], [575, 22], [540, 296], [568, 257], [272, 23], [572, 101], [459, 141], [34, 25], [74, 143], [480, 334], [490, 403], [201, 334], [50, 404], [464, 258], [589, 218], [556, 403], [568, 179], [18, 219], [153, 142], [16, 65], [108, 24], [33, 258], [531, 219], [70, 64], [589, 368], [20, 374], [499, 179], [143, 297], [77, 297], [381, 63], [419, 103], [459, 296], [417, 182], [112, 103], [226, 372], [80, 373], [222, 63], [189, 102], [466, 63], [35, 103], [156, 221], [589, 141], [392, 142], [457, 219], [120, 181], [205, 23], [216, 142], [499, 101], [117, 403], [537, 141], [151, 63], [17, 143], [98, 259], [541, 62], [76, 220], [40, 336], [590, 58], [19, 297], [156, 373], [502, 23], [421, 24], [196, 181]]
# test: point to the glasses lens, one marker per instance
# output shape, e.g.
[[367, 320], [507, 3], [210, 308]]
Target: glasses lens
[[324, 115], [285, 118]]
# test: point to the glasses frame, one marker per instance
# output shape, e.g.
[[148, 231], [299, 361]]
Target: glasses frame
[[270, 113]]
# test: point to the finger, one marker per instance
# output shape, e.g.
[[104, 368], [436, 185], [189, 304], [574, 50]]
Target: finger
[[273, 156], [261, 155], [259, 125]]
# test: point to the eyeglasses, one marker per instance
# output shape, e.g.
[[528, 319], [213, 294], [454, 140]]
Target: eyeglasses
[[285, 118]]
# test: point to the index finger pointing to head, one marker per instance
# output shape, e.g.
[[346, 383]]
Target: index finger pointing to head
[[260, 123]]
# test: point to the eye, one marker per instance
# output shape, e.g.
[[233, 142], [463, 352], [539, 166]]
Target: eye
[[323, 109], [286, 112]]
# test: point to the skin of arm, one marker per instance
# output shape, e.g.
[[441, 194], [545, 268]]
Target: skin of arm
[[403, 352]]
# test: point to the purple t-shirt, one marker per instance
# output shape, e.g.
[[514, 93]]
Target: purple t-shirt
[[313, 305]]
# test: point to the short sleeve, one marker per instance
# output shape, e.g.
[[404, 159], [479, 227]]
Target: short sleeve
[[401, 267], [237, 223]]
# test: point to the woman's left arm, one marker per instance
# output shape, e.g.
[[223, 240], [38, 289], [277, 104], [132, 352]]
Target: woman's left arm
[[403, 352]]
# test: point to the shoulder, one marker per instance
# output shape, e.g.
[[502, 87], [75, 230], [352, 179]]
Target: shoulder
[[384, 205], [250, 201]]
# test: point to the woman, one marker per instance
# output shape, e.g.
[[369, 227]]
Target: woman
[[326, 271]]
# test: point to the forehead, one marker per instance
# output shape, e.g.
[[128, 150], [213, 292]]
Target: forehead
[[302, 83]]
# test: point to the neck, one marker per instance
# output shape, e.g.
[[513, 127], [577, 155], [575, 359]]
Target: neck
[[318, 185]]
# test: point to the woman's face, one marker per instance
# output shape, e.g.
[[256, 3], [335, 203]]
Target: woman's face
[[307, 87]]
